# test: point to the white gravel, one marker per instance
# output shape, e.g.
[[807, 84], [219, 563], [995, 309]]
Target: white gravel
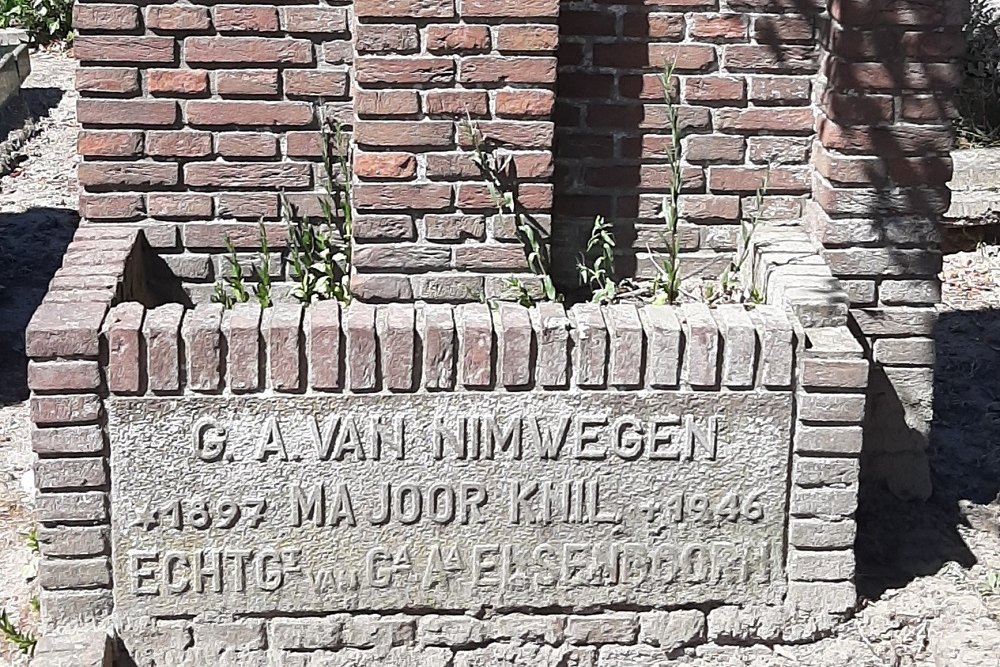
[[934, 613]]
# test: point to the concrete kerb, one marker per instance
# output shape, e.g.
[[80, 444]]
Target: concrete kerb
[[15, 63], [96, 357]]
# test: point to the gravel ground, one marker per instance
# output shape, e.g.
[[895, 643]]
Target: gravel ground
[[923, 567]]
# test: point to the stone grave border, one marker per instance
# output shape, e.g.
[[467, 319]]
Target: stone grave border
[[92, 338]]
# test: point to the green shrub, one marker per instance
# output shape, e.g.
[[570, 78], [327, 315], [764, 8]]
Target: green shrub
[[978, 123], [44, 20]]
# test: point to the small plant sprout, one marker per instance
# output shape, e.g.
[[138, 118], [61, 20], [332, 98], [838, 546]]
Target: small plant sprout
[[321, 254], [732, 276], [231, 289], [597, 264], [22, 641], [497, 169], [31, 540], [990, 585], [667, 282], [263, 270]]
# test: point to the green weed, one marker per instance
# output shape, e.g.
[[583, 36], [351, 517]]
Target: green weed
[[667, 283], [23, 641], [597, 263], [497, 169]]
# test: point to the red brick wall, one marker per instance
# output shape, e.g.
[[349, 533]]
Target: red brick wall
[[743, 86], [199, 118]]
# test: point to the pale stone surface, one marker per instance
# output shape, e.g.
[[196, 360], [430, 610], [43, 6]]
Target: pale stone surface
[[552, 334], [438, 340], [82, 649], [672, 630], [591, 339], [310, 535], [663, 333]]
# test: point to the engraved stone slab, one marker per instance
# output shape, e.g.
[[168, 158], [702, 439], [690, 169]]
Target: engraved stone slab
[[301, 504]]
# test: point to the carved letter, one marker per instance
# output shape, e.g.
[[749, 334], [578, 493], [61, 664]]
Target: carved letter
[[587, 434], [409, 504], [207, 566], [441, 503], [171, 561], [209, 440], [550, 443], [473, 498], [143, 566], [456, 441], [324, 442], [269, 579], [520, 494], [627, 438], [705, 440], [272, 442], [507, 439], [312, 506], [380, 515]]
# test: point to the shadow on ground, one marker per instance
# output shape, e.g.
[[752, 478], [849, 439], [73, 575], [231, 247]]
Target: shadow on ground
[[32, 103], [899, 541], [32, 245]]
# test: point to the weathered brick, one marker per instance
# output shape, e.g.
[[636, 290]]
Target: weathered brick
[[240, 50], [161, 331], [359, 327], [137, 113], [75, 473], [272, 114], [324, 345], [177, 82], [395, 326], [263, 175], [245, 18], [177, 18], [63, 376], [284, 335], [202, 333], [118, 80], [404, 71], [438, 343], [125, 49]]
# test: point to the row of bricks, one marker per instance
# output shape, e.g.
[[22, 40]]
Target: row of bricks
[[846, 12], [576, 636], [697, 209], [438, 39], [637, 22], [223, 18], [301, 19], [513, 103], [255, 52], [436, 195], [174, 82], [609, 348], [579, 82]]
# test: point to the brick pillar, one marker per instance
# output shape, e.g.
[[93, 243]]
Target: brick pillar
[[882, 162], [425, 227]]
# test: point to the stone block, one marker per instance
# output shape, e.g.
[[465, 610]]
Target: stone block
[[671, 630], [590, 335], [608, 628], [79, 649], [663, 336]]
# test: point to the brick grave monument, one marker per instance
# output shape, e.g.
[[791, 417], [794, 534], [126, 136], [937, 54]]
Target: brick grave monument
[[444, 471]]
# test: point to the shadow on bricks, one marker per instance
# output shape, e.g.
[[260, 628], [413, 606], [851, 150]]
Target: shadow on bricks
[[32, 245], [900, 540]]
